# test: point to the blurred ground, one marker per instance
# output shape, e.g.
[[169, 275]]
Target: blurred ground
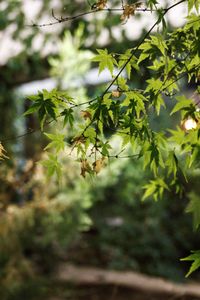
[[124, 285], [116, 293]]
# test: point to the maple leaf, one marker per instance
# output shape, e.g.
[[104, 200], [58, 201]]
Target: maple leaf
[[57, 142], [105, 60], [53, 166], [195, 257], [194, 208]]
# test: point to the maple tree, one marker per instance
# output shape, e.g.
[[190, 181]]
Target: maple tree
[[124, 110]]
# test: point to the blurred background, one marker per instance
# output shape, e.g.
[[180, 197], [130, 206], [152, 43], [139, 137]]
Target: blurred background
[[86, 222]]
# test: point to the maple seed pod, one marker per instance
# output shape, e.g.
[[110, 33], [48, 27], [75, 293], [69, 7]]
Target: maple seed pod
[[128, 11], [101, 4], [85, 167], [86, 114], [78, 140], [98, 165]]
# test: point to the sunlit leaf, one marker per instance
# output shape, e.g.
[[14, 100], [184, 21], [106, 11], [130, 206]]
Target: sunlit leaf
[[195, 257]]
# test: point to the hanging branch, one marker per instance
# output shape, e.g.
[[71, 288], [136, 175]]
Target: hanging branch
[[31, 131]]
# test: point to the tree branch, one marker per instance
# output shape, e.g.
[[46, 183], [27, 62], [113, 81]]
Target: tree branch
[[127, 279], [71, 18]]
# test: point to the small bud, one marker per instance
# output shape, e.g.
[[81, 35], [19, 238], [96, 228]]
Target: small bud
[[116, 93]]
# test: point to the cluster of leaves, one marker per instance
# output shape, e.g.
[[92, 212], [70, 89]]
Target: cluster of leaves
[[124, 111], [38, 234]]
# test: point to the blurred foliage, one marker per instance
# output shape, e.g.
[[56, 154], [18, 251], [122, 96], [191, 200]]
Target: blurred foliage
[[130, 234], [101, 221], [25, 49], [72, 62], [37, 226]]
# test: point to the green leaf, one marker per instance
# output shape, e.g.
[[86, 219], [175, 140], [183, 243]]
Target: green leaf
[[142, 57], [57, 142], [42, 115], [34, 108], [67, 113], [123, 59], [136, 101], [172, 163], [50, 108], [53, 166], [193, 3], [158, 41], [195, 154], [155, 188], [193, 22], [194, 208], [122, 84], [152, 155], [154, 85], [133, 63], [91, 134], [105, 60], [154, 46], [177, 136], [149, 190], [45, 105], [152, 3], [105, 149], [183, 103], [195, 257], [158, 102]]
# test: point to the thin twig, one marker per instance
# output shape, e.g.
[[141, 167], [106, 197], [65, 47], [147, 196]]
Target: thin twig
[[71, 18]]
